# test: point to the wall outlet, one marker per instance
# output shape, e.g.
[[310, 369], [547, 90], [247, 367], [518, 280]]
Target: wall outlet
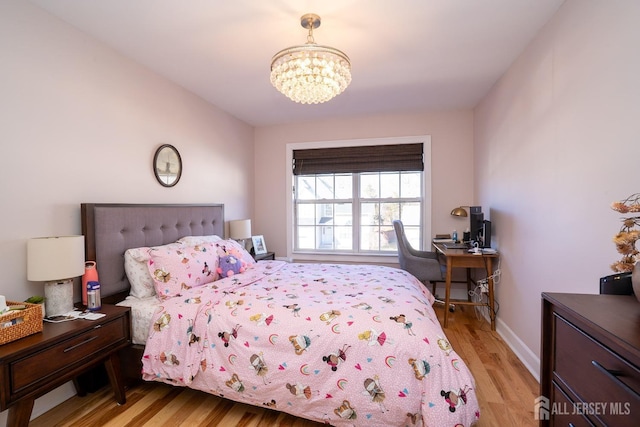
[[484, 286]]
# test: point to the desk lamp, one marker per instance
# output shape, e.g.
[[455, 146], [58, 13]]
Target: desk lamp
[[56, 261], [240, 230], [459, 211]]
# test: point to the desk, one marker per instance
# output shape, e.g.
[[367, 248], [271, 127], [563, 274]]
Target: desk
[[462, 258]]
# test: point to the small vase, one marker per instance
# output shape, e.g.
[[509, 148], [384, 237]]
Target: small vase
[[90, 275], [635, 280]]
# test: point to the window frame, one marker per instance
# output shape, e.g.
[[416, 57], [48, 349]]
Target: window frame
[[310, 255]]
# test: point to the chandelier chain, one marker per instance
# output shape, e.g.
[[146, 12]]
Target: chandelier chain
[[310, 39]]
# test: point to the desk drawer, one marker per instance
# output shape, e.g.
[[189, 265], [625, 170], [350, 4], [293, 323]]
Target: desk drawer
[[54, 361], [596, 376]]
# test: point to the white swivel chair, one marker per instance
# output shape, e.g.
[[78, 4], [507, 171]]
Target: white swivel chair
[[424, 265]]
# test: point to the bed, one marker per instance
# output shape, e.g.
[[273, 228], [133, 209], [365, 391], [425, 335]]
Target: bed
[[356, 345]]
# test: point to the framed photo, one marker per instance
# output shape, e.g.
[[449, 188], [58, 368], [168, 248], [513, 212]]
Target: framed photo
[[259, 247]]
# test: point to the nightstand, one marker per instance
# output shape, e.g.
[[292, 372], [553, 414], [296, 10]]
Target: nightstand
[[266, 256], [36, 364]]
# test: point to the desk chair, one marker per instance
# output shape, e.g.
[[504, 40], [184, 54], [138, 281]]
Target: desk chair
[[424, 265]]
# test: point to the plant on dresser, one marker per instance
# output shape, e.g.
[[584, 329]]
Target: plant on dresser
[[628, 235]]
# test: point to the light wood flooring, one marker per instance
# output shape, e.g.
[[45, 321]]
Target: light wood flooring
[[506, 391]]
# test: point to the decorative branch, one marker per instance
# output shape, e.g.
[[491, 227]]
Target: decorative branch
[[628, 235]]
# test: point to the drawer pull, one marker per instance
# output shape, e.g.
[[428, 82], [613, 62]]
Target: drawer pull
[[88, 340], [613, 375]]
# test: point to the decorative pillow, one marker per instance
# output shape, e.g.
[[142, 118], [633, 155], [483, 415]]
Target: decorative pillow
[[231, 247], [136, 266], [230, 265], [198, 240], [176, 268]]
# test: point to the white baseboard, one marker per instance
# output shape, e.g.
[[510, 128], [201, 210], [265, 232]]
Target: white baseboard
[[530, 360]]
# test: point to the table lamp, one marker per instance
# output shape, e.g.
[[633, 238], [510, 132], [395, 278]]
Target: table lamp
[[56, 261], [240, 230]]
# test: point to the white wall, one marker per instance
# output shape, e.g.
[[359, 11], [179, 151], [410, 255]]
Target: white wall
[[80, 123], [451, 160], [556, 142]]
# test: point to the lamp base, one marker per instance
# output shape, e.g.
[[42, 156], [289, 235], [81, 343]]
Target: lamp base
[[58, 297]]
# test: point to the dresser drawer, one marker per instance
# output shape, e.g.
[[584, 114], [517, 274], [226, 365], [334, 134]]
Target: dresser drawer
[[564, 411], [596, 376], [55, 361]]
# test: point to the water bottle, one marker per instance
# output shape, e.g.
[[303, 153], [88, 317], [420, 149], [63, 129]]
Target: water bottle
[[93, 296], [455, 235]]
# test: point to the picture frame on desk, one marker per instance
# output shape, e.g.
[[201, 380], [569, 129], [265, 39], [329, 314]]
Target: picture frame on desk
[[259, 246]]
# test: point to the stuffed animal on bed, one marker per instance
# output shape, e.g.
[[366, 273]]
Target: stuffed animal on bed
[[230, 265]]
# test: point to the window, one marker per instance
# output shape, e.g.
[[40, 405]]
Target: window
[[346, 197], [354, 212]]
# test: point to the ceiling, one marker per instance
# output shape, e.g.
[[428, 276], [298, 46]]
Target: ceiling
[[406, 55]]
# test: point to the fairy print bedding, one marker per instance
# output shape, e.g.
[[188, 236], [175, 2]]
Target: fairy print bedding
[[341, 344]]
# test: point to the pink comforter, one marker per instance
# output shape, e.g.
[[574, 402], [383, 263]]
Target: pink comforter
[[341, 344]]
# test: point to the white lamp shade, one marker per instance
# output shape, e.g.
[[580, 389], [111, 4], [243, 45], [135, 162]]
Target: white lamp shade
[[240, 229], [55, 258]]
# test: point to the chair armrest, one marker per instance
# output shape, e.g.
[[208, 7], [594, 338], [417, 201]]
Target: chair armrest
[[423, 254]]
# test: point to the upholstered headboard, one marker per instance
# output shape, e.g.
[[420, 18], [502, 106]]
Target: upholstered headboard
[[111, 229]]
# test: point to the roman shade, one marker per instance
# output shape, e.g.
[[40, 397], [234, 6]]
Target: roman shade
[[370, 158]]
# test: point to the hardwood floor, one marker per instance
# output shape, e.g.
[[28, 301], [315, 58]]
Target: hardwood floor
[[506, 391]]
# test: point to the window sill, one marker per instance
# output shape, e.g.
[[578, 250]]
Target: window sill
[[344, 258]]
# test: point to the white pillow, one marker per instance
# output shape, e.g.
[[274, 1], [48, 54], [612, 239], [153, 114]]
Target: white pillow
[[198, 240]]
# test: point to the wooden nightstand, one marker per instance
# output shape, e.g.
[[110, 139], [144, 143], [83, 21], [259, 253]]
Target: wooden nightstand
[[35, 365], [266, 256]]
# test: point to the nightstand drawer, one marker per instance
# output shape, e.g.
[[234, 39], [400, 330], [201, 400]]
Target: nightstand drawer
[[595, 374], [66, 355]]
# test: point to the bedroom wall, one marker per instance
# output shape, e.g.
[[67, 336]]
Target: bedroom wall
[[80, 123], [451, 162], [556, 142]]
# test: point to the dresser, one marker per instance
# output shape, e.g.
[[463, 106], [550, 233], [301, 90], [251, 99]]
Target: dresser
[[590, 360]]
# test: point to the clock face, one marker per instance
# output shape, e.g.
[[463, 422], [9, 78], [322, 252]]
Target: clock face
[[167, 165]]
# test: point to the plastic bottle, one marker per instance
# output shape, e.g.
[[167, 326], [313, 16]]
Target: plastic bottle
[[455, 235], [94, 302]]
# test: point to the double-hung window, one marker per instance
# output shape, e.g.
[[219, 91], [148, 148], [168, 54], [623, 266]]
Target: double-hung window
[[346, 198]]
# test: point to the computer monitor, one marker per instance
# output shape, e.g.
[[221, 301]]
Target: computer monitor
[[476, 220]]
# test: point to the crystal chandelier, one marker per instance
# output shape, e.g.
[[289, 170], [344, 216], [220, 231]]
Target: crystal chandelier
[[310, 73]]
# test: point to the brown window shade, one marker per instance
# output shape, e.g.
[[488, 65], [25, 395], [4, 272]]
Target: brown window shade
[[373, 158]]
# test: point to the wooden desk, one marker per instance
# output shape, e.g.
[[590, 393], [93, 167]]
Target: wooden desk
[[462, 258]]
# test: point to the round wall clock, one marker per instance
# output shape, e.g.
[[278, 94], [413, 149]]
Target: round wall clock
[[167, 165]]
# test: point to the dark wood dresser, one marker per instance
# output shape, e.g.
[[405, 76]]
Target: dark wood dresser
[[590, 363]]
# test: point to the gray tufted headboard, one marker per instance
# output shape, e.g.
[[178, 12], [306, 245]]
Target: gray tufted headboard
[[111, 229]]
